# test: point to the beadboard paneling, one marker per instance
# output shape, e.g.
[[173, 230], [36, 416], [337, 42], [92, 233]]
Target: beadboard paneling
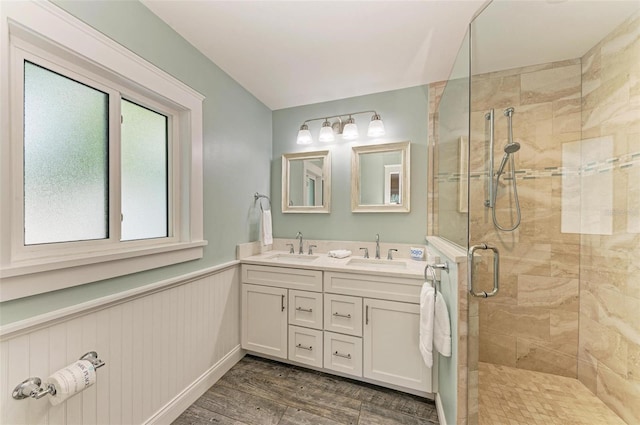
[[156, 346]]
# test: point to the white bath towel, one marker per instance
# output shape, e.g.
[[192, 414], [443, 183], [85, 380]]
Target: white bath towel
[[339, 253], [442, 327], [426, 323], [267, 236]]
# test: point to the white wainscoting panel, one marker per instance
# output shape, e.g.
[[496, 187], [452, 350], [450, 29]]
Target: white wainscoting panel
[[162, 349]]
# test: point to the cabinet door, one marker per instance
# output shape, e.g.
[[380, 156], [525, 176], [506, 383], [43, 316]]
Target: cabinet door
[[264, 320], [391, 353]]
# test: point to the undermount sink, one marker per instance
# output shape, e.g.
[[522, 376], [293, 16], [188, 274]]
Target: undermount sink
[[377, 264], [298, 258]]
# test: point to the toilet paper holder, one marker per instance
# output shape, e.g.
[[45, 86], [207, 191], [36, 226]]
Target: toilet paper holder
[[32, 387]]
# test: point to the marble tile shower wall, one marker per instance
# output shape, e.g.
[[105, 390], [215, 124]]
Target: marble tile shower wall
[[533, 321], [609, 343], [436, 91]]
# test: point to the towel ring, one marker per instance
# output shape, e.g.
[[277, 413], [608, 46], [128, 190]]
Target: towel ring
[[257, 196]]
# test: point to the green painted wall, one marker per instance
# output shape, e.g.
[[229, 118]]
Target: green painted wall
[[237, 149], [404, 113]]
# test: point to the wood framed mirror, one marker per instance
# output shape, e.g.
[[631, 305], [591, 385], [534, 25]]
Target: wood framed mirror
[[306, 182], [380, 178]]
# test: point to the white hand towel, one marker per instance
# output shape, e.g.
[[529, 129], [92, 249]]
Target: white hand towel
[[267, 236], [339, 253], [426, 323], [442, 327]]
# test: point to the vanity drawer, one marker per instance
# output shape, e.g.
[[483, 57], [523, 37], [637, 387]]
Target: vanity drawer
[[305, 309], [283, 277], [343, 353], [305, 346], [392, 288], [343, 314]]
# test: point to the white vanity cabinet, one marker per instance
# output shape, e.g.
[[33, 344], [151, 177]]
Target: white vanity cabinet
[[355, 324], [281, 315], [390, 332]]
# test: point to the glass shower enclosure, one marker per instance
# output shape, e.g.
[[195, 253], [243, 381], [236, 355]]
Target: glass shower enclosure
[[536, 147]]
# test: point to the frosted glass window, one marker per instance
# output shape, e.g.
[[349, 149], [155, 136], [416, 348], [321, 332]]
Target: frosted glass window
[[65, 159], [144, 173]]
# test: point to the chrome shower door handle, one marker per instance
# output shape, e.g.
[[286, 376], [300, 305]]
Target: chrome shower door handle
[[496, 270]]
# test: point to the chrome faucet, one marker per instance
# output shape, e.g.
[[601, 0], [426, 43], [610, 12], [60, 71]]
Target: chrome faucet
[[377, 246], [390, 253], [299, 236]]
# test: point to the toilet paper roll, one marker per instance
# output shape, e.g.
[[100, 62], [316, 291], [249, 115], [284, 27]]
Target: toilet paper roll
[[71, 380]]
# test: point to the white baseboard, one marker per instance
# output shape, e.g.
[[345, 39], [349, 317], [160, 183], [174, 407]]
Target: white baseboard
[[440, 410], [170, 411]]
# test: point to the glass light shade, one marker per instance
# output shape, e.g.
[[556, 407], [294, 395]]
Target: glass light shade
[[376, 127], [304, 135], [326, 132], [350, 130]]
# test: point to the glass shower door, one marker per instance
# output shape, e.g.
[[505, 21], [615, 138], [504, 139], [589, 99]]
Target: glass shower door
[[569, 291]]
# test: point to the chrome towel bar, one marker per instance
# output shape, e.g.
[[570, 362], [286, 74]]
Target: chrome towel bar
[[432, 273]]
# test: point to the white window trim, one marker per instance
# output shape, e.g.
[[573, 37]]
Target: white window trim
[[46, 25], [23, 51]]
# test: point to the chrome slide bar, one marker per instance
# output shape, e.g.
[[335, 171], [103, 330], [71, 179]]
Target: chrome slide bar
[[489, 116]]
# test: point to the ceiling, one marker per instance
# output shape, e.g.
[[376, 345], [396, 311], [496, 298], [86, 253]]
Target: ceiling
[[291, 53], [510, 34]]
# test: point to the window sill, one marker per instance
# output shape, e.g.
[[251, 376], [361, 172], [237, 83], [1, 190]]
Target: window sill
[[36, 277]]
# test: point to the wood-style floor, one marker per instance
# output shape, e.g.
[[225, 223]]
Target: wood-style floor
[[258, 391]]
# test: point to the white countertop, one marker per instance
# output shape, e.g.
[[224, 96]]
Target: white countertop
[[401, 267]]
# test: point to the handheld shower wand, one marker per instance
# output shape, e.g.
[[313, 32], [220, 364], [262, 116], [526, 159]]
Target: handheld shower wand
[[510, 148]]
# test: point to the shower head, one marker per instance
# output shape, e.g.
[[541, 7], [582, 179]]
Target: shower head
[[510, 148]]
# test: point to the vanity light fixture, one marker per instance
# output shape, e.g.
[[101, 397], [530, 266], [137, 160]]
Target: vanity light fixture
[[347, 128]]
